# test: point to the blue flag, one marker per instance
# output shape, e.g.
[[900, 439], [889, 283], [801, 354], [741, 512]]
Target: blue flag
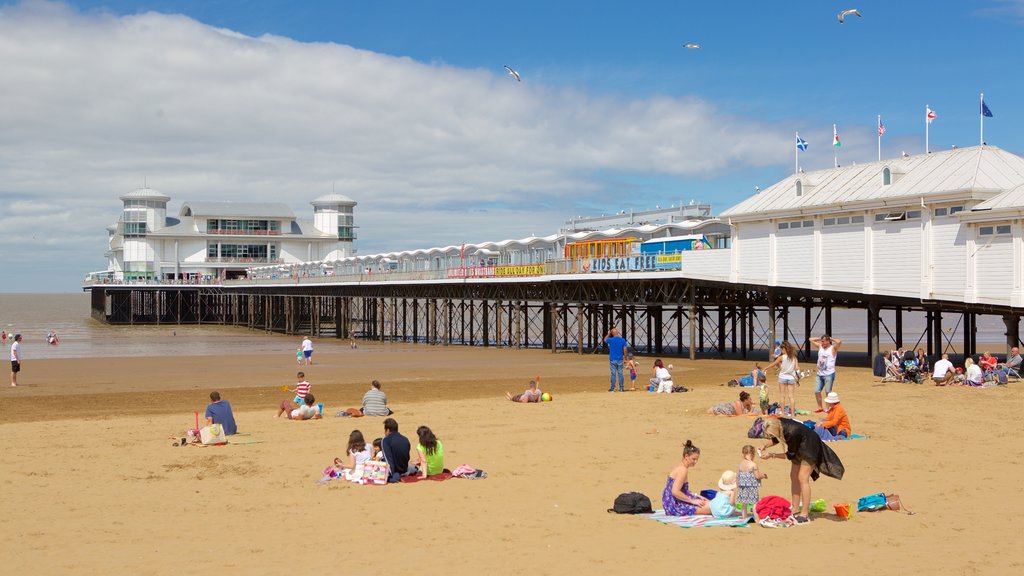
[[801, 144], [984, 109]]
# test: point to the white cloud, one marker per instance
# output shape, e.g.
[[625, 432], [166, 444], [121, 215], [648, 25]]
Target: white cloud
[[1012, 10], [93, 103]]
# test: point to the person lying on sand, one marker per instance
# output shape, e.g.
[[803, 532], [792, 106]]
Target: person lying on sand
[[735, 408], [531, 394], [307, 411]]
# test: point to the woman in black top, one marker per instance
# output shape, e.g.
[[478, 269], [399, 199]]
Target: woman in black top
[[807, 453]]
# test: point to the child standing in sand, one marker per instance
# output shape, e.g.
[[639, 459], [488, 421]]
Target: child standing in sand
[[301, 389], [748, 481], [632, 367], [298, 355]]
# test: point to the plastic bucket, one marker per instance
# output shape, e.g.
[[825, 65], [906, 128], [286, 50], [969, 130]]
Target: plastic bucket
[[843, 510]]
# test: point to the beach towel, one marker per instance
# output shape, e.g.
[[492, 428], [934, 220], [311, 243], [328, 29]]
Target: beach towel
[[436, 478], [773, 507], [852, 437], [697, 521]]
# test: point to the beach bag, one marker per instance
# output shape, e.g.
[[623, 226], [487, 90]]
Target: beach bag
[[375, 472], [631, 503], [871, 503], [757, 429], [212, 434]]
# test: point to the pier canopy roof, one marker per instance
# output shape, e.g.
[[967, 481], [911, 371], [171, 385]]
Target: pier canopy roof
[[978, 172], [645, 231], [146, 193], [237, 210]]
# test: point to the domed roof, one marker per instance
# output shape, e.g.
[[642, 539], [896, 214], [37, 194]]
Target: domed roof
[[333, 199], [145, 193]]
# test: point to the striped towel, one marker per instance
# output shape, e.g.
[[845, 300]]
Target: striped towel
[[696, 521]]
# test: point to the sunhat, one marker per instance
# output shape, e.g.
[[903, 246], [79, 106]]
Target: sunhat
[[832, 398], [777, 343], [727, 481]]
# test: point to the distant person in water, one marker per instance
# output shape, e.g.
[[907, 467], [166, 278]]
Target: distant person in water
[[15, 359], [307, 350]]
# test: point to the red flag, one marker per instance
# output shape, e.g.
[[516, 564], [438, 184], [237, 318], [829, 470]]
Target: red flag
[[929, 114]]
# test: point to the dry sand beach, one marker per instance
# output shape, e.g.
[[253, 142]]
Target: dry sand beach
[[92, 484]]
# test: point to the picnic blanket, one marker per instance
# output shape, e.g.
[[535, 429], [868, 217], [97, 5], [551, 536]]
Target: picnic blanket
[[436, 477], [852, 437], [697, 521]]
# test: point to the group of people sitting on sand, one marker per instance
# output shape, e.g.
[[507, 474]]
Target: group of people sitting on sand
[[303, 405], [393, 449], [808, 456], [987, 369]]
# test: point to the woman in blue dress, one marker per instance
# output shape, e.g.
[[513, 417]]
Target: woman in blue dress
[[677, 500]]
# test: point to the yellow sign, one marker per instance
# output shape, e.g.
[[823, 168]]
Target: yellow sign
[[520, 270], [670, 258]]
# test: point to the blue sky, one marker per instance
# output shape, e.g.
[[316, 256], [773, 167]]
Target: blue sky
[[435, 139]]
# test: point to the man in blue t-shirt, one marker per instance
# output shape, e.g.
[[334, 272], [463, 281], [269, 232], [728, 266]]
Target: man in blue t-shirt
[[617, 349], [219, 412]]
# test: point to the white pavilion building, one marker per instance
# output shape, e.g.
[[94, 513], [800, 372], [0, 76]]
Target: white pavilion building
[[220, 240], [944, 226]]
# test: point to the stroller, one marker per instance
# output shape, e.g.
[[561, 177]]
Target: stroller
[[911, 371]]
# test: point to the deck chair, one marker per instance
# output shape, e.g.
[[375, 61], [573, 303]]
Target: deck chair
[[892, 372], [1011, 373]]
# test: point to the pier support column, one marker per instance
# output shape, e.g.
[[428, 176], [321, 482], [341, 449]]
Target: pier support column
[[743, 331], [486, 309], [899, 327], [691, 314], [807, 330], [928, 332], [579, 328], [550, 322], [656, 322], [873, 308], [970, 326], [771, 326], [1012, 323], [940, 341], [721, 331]]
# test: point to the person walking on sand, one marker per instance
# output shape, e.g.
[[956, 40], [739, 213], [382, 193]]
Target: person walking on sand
[[828, 348], [15, 359], [307, 350], [617, 350]]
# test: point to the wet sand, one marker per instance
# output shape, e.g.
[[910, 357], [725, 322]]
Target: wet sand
[[92, 484]]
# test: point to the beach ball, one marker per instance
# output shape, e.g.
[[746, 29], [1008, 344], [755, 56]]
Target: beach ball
[[545, 397]]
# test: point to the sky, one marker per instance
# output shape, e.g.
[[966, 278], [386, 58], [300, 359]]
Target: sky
[[405, 107]]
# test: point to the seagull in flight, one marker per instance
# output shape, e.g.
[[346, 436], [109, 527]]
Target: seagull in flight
[[514, 74], [850, 12], [691, 46]]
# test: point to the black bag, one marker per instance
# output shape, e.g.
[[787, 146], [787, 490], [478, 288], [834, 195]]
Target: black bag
[[757, 429], [631, 503]]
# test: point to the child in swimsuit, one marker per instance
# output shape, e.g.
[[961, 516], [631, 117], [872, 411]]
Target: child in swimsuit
[[749, 481]]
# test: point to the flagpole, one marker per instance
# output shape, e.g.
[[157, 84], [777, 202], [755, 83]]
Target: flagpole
[[879, 130], [926, 108], [796, 154], [981, 114], [835, 153]]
